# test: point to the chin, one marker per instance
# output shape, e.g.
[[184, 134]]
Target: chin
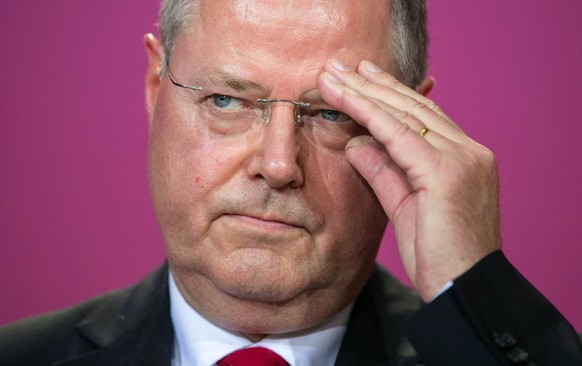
[[270, 318], [263, 287], [258, 294], [263, 276]]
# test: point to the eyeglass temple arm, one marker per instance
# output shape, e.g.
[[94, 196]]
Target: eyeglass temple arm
[[195, 88]]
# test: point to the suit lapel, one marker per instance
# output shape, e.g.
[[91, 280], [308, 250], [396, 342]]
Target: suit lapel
[[134, 328], [373, 336]]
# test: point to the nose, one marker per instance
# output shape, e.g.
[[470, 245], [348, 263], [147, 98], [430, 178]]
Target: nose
[[276, 160]]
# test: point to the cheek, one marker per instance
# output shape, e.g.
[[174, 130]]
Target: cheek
[[182, 156], [174, 157], [340, 188], [185, 165], [353, 214], [354, 220]]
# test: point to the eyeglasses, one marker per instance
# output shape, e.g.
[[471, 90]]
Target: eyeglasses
[[233, 116]]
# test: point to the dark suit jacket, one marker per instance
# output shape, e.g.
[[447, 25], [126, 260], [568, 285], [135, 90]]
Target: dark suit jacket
[[490, 315]]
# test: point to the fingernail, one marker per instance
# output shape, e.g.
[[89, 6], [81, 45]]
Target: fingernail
[[359, 141], [339, 65], [368, 65]]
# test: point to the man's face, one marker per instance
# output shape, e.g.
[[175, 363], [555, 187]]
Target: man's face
[[265, 231]]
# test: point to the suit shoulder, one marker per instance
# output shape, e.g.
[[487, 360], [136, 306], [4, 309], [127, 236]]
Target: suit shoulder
[[58, 320], [59, 333], [34, 337]]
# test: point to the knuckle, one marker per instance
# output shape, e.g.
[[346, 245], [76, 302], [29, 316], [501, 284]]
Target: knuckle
[[428, 105], [480, 160], [362, 83], [401, 115], [419, 107], [400, 130], [415, 104], [435, 107], [392, 83], [488, 157]]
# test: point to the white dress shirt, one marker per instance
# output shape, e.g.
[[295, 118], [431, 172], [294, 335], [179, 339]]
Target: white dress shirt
[[201, 343]]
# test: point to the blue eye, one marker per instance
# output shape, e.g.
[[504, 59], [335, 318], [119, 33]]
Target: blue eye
[[333, 116], [226, 102]]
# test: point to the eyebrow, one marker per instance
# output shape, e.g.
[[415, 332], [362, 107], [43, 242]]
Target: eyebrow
[[226, 79], [317, 100], [313, 97]]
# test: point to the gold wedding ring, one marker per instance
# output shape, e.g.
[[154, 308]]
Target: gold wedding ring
[[424, 131]]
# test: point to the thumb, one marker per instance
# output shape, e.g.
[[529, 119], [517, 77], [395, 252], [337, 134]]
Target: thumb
[[387, 180]]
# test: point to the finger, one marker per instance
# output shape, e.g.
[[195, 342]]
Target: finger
[[374, 73], [408, 149], [405, 117], [383, 86], [384, 176], [415, 124], [432, 136]]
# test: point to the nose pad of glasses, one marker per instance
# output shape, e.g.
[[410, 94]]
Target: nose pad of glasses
[[266, 113], [298, 117]]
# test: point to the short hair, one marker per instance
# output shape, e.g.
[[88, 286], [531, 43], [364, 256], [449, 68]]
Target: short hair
[[409, 35]]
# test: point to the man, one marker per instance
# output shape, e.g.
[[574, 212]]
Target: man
[[281, 143]]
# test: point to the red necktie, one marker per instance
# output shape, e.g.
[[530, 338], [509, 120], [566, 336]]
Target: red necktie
[[254, 356]]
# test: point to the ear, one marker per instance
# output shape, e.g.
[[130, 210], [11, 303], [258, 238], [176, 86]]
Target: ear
[[426, 86], [152, 78]]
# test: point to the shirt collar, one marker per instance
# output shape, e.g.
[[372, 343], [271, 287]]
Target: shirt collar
[[201, 343]]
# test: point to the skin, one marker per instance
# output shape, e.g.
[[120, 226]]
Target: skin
[[269, 225]]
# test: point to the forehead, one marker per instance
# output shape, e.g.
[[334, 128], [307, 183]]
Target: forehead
[[249, 36]]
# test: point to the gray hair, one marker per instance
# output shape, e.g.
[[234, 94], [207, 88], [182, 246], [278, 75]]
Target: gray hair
[[175, 16], [409, 40]]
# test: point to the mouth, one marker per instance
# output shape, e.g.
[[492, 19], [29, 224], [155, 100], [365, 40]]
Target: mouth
[[264, 222]]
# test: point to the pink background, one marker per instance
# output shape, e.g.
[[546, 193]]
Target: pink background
[[75, 213]]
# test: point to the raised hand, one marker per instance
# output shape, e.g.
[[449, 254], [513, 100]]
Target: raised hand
[[438, 186]]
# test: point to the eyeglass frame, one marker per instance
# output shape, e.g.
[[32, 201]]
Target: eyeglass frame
[[267, 102]]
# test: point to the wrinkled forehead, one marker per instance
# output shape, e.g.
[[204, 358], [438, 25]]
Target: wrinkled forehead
[[286, 34], [315, 17]]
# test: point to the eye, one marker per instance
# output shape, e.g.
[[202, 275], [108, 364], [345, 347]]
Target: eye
[[226, 102], [333, 116]]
